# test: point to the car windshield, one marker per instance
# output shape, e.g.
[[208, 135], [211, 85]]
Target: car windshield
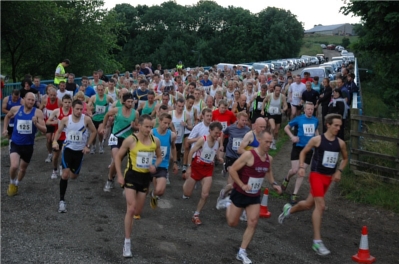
[[314, 72], [258, 66]]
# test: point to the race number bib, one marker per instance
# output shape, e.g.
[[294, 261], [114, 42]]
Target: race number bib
[[308, 130], [75, 137], [164, 152], [207, 156], [256, 184], [260, 106], [207, 88], [224, 125], [273, 110], [49, 112], [144, 159], [100, 109], [236, 143], [330, 159], [112, 141], [296, 95], [24, 126], [179, 132]]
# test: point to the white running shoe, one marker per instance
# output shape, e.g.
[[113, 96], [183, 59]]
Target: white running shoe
[[93, 150], [243, 217], [54, 175], [49, 158], [127, 252], [243, 257], [273, 146], [167, 179], [108, 186], [320, 249], [101, 149], [62, 207], [285, 213], [222, 203]]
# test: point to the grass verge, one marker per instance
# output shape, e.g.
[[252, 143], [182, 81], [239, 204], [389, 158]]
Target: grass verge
[[369, 190]]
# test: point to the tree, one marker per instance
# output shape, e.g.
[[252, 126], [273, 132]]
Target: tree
[[378, 42], [345, 42]]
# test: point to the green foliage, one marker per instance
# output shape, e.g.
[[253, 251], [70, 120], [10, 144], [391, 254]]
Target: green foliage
[[378, 42], [54, 30], [170, 32], [345, 42]]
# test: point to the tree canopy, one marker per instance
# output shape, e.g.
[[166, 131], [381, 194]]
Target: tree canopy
[[377, 44], [92, 37]]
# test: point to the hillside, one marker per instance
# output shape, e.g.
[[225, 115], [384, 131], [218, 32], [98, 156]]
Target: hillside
[[311, 43]]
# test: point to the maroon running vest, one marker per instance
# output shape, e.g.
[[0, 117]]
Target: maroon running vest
[[253, 175]]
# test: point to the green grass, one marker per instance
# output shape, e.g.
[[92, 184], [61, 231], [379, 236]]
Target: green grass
[[4, 142], [369, 190], [311, 43]]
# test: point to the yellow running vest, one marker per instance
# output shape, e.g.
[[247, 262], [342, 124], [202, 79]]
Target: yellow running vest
[[140, 157]]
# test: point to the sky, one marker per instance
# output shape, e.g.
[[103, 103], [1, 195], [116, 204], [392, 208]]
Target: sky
[[310, 12]]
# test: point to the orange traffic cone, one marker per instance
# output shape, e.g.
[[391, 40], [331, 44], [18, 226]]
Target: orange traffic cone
[[264, 212], [363, 255]]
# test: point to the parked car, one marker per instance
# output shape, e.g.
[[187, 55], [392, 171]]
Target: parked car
[[278, 66], [321, 72], [258, 66], [323, 46], [329, 70], [331, 46], [344, 52], [245, 67], [221, 66]]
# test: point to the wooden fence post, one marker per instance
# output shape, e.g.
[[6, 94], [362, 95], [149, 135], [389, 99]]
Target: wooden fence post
[[354, 139]]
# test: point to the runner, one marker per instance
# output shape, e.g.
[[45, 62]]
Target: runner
[[99, 103], [192, 112], [56, 116], [140, 148], [49, 104], [248, 173], [241, 105], [62, 91], [203, 153], [295, 94], [168, 148], [198, 131], [148, 107], [27, 119], [275, 104], [323, 171], [307, 128], [180, 120], [257, 104], [125, 119], [199, 103], [9, 102], [235, 134], [76, 126], [250, 139]]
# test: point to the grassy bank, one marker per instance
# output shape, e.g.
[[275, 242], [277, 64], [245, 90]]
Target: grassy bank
[[369, 189], [311, 43]]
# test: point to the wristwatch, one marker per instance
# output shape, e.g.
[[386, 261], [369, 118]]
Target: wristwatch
[[88, 146]]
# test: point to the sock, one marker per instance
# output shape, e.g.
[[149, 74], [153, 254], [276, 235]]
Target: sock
[[196, 213], [12, 181], [242, 250], [63, 187], [316, 241], [16, 182], [152, 194], [127, 241]]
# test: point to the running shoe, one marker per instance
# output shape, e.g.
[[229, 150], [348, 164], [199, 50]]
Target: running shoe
[[273, 146], [285, 213], [101, 149], [294, 199], [222, 203], [167, 179], [49, 158], [284, 184], [320, 249], [185, 197], [196, 220], [62, 207], [221, 197], [136, 217], [127, 252], [60, 170], [108, 186], [243, 257], [12, 190], [184, 168], [153, 201], [93, 150], [54, 175], [243, 217]]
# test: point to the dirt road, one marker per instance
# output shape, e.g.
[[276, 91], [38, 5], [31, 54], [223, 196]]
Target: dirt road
[[92, 229]]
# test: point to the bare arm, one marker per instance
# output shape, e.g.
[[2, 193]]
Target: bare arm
[[337, 175], [269, 176], [8, 117], [57, 134], [92, 128], [248, 138], [313, 142], [196, 147], [244, 159], [4, 105], [111, 112], [127, 143], [38, 121], [90, 105], [53, 119]]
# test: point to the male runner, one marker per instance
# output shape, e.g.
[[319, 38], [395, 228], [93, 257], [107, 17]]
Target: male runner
[[203, 163], [76, 127], [49, 104], [323, 171], [250, 139], [167, 140], [125, 119], [27, 119], [56, 116], [9, 102], [99, 103], [140, 148], [307, 128], [248, 173]]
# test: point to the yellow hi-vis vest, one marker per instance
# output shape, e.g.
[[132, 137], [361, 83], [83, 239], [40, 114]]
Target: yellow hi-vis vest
[[58, 79]]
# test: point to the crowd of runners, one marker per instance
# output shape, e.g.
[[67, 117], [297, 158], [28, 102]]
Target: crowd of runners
[[184, 123]]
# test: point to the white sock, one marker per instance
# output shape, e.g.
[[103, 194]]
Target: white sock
[[196, 213], [16, 182], [12, 181], [316, 241], [242, 250], [127, 241]]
